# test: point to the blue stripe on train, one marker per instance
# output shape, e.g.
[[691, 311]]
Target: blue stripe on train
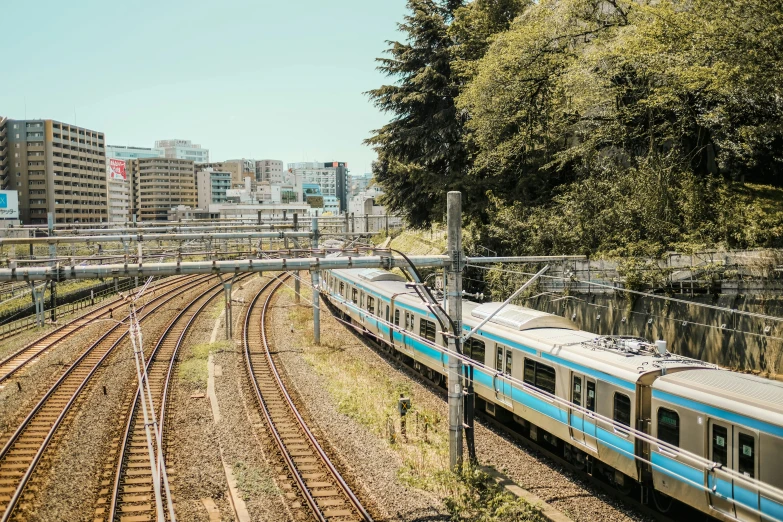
[[695, 477], [712, 411]]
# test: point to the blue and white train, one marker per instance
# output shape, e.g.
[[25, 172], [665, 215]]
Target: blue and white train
[[733, 420]]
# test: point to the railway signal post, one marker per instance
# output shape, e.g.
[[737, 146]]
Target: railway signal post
[[454, 310]]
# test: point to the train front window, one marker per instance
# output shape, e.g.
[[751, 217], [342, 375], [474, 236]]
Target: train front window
[[720, 445], [669, 426], [576, 391], [746, 460], [590, 404], [622, 409]]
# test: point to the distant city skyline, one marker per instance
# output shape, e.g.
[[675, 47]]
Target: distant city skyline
[[243, 79]]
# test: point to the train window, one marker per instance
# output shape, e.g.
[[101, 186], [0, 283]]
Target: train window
[[427, 329], [342, 288], [387, 313], [499, 359], [669, 426], [540, 375], [371, 304], [509, 360], [720, 450], [361, 299], [475, 350], [747, 464], [576, 391], [397, 317], [622, 409], [354, 296], [590, 403], [408, 321]]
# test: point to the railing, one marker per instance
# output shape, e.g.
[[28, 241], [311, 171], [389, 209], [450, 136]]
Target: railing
[[29, 322]]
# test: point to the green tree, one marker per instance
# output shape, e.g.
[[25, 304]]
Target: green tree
[[420, 151]]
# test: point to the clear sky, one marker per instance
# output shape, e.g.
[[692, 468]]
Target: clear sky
[[257, 79]]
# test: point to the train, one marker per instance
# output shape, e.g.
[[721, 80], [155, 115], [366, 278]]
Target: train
[[573, 379]]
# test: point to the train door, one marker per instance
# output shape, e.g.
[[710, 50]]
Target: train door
[[576, 417], [721, 452], [747, 464], [503, 365], [583, 393]]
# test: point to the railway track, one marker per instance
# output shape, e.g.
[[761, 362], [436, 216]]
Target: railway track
[[15, 362], [24, 448], [310, 470], [132, 495]]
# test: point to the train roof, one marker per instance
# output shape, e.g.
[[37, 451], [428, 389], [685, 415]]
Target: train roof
[[758, 397], [555, 337]]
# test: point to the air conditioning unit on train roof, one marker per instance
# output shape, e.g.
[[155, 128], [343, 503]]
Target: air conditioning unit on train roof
[[521, 318], [377, 274]]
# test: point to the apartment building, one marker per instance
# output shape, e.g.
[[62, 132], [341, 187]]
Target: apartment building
[[183, 149], [55, 167], [235, 168], [118, 184], [212, 187], [160, 184], [269, 170]]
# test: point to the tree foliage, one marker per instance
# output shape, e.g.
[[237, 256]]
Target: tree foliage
[[591, 125]]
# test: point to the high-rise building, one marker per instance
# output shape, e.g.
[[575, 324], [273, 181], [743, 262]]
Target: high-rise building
[[245, 167], [55, 167], [212, 187], [332, 177], [160, 184], [269, 170], [118, 184], [234, 167], [183, 149], [359, 183]]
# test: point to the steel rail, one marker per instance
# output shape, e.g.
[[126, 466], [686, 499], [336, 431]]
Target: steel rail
[[18, 360], [321, 515], [65, 409], [132, 417]]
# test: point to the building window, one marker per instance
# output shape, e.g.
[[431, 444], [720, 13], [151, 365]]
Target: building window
[[669, 426]]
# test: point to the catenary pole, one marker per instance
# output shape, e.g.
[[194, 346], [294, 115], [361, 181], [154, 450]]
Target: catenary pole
[[454, 310]]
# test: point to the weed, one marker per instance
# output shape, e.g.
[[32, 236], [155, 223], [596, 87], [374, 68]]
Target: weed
[[253, 481]]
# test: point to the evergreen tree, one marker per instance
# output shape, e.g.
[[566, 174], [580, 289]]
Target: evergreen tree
[[420, 151]]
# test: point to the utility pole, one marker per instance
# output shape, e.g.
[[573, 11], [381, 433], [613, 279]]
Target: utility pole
[[454, 310], [316, 294]]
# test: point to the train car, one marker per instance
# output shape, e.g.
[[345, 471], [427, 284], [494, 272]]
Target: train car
[[573, 379], [731, 419]]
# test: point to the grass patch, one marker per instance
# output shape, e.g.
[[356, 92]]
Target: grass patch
[[194, 369], [252, 481]]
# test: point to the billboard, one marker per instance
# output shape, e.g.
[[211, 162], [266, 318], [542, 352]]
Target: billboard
[[9, 204], [117, 170]]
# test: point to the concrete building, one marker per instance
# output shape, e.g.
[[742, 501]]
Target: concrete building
[[269, 170], [126, 152], [236, 170], [118, 186], [212, 187], [366, 203], [55, 167], [332, 177], [159, 184], [245, 167], [183, 149]]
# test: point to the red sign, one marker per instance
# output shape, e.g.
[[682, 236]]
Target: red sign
[[117, 169]]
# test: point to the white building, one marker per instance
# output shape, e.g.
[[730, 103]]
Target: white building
[[212, 187], [365, 203], [117, 186], [183, 149]]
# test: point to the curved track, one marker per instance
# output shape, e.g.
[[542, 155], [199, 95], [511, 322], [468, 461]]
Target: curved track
[[320, 484], [132, 495], [18, 360], [23, 450]]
